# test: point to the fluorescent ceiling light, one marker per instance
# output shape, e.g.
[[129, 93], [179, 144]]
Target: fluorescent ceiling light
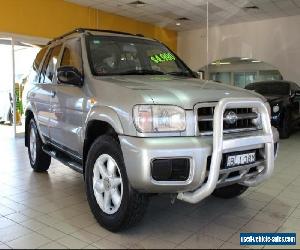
[[256, 61], [178, 24], [245, 58], [220, 63]]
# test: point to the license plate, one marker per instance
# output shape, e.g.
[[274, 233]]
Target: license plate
[[240, 159]]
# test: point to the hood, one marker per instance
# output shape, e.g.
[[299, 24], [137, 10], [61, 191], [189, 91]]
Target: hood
[[274, 98], [184, 92]]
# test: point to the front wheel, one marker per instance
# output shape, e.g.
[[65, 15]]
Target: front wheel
[[229, 192], [285, 129], [114, 203]]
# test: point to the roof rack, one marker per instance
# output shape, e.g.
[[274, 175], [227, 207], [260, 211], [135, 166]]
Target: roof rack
[[82, 30]]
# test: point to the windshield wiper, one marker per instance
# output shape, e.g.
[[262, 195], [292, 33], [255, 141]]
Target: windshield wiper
[[180, 73], [142, 72]]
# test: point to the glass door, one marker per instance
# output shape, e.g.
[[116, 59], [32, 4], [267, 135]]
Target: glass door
[[17, 56], [6, 88], [24, 55]]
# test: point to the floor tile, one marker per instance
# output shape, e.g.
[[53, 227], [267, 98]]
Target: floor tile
[[30, 241], [153, 243], [72, 242], [12, 232], [86, 236], [6, 210], [51, 233], [3, 246], [17, 217], [53, 245], [258, 226], [107, 244], [200, 241], [33, 224], [5, 222]]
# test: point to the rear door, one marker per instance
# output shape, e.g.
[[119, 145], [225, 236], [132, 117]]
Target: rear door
[[67, 104], [44, 90]]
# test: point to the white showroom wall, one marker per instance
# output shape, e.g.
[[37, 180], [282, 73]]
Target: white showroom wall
[[274, 41]]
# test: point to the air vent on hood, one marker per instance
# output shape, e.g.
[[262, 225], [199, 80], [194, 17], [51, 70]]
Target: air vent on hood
[[137, 3]]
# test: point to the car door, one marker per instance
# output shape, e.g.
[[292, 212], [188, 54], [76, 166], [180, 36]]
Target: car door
[[67, 104], [295, 101], [46, 89], [38, 94]]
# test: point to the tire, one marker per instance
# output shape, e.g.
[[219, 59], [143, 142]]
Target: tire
[[285, 130], [229, 192], [39, 160], [130, 206]]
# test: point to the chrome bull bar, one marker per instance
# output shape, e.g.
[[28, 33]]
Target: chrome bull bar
[[220, 145]]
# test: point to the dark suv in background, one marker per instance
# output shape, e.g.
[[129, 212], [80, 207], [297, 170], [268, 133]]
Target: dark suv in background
[[284, 99]]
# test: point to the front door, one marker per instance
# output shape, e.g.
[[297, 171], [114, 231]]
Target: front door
[[67, 104]]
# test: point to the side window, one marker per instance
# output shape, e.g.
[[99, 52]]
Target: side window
[[49, 67], [72, 55], [34, 74]]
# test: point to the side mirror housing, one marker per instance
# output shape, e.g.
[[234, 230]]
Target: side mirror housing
[[69, 75]]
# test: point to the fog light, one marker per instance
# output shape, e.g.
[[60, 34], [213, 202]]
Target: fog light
[[170, 169], [275, 109]]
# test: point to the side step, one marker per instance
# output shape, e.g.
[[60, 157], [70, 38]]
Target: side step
[[63, 158]]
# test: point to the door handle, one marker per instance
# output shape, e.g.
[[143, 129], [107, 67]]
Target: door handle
[[53, 94]]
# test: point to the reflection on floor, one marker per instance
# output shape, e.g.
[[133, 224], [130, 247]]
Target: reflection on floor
[[50, 210]]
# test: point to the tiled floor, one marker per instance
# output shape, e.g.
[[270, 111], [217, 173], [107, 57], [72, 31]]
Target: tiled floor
[[50, 210]]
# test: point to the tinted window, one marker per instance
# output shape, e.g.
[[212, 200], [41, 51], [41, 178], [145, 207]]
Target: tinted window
[[72, 54], [270, 88], [111, 55], [34, 74], [49, 66]]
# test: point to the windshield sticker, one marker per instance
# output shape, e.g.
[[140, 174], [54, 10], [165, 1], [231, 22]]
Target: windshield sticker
[[163, 57]]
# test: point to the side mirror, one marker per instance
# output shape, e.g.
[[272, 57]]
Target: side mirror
[[69, 75]]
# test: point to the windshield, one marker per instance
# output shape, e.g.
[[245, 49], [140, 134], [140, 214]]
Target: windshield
[[270, 88], [113, 55]]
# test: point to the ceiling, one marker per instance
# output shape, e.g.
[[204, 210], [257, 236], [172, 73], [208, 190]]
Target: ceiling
[[166, 12]]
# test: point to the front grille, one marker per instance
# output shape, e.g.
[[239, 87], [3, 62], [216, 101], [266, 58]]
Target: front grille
[[244, 120]]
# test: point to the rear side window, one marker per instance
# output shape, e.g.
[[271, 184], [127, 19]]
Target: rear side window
[[34, 74], [72, 55], [49, 67]]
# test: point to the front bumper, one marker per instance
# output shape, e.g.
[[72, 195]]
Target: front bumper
[[139, 152]]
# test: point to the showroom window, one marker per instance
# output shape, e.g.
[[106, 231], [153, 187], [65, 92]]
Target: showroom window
[[266, 75], [222, 77], [242, 79]]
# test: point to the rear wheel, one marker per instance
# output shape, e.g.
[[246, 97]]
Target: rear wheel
[[39, 160], [114, 203], [229, 192]]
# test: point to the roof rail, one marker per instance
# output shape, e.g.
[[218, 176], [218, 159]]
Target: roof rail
[[82, 30]]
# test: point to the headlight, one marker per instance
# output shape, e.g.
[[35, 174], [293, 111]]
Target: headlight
[[159, 118], [275, 108]]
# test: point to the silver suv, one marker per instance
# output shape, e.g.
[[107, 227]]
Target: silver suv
[[126, 112]]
